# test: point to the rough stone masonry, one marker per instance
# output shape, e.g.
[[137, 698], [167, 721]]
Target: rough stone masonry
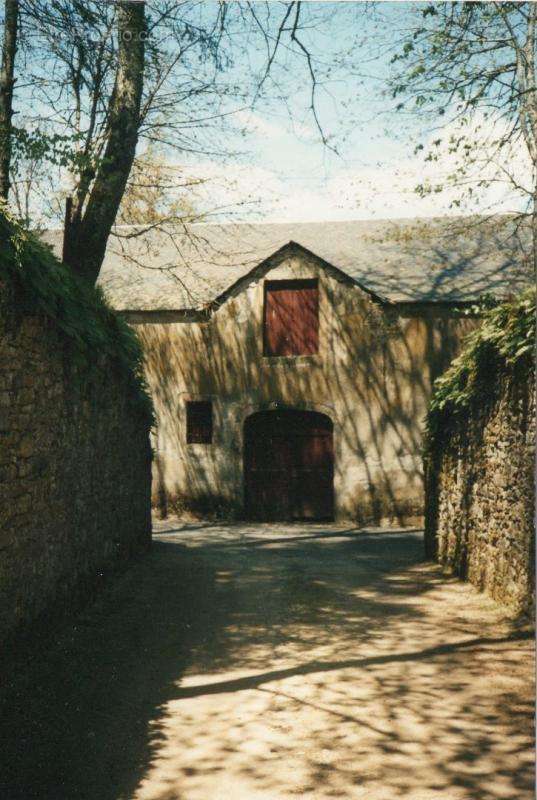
[[74, 468], [481, 492]]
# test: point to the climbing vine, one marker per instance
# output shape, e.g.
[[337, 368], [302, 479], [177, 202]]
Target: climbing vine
[[505, 338]]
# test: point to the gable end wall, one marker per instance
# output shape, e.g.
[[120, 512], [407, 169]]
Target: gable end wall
[[372, 376]]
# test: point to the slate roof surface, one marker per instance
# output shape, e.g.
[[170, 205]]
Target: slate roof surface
[[412, 260]]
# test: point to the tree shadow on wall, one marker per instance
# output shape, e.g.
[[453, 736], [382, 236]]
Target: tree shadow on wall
[[372, 377]]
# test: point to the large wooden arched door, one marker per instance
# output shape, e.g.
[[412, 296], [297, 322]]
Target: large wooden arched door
[[288, 466]]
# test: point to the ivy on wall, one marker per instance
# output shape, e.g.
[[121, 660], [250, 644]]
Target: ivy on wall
[[505, 338], [91, 329]]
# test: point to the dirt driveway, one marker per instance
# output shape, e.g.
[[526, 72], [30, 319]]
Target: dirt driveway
[[275, 662]]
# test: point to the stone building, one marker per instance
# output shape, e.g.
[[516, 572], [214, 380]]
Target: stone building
[[291, 365]]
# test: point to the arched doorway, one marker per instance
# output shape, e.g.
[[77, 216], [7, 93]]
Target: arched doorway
[[288, 466]]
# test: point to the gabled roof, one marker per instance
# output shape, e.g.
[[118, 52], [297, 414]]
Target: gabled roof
[[402, 261]]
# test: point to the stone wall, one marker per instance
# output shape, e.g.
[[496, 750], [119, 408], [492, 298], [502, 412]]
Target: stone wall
[[74, 467], [372, 377], [480, 491]]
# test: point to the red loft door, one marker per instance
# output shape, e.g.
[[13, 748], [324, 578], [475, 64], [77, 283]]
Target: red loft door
[[291, 318]]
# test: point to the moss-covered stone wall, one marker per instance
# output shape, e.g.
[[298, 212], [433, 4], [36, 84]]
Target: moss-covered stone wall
[[75, 458], [480, 489]]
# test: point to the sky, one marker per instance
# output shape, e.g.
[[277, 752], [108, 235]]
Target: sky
[[291, 179], [286, 173], [272, 164]]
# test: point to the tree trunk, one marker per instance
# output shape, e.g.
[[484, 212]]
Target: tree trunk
[[11, 13], [87, 231]]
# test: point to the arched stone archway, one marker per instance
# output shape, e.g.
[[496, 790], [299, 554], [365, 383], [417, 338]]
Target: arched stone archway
[[288, 465]]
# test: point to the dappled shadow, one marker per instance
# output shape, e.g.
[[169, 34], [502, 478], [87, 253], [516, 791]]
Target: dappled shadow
[[437, 259], [344, 663], [256, 681], [271, 662], [372, 378], [313, 531], [76, 707]]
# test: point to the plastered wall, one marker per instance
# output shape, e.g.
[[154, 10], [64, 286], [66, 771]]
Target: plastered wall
[[372, 377]]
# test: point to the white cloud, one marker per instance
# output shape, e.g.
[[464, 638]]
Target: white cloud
[[255, 124], [274, 129], [382, 190]]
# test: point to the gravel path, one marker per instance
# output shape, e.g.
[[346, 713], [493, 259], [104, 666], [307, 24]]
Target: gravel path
[[271, 662]]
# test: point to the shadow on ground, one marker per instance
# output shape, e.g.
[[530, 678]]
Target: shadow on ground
[[191, 671]]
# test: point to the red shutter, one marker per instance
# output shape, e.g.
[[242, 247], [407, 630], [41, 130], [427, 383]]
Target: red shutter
[[291, 318]]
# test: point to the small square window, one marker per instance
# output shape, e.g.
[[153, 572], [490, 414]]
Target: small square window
[[199, 422]]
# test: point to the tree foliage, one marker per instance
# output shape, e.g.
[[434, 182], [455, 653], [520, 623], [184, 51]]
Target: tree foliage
[[91, 93], [504, 339], [469, 70], [157, 193]]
